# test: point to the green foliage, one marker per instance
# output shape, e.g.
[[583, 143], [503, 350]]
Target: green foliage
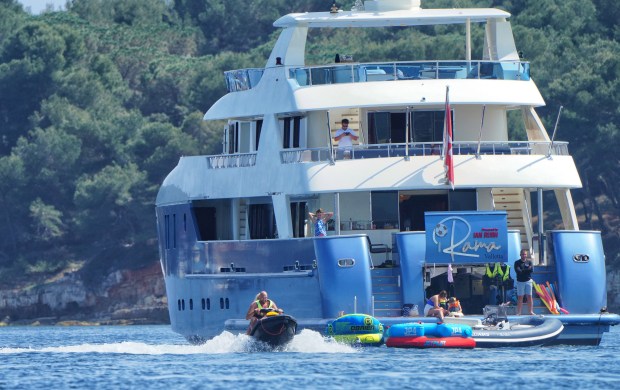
[[46, 221], [98, 103]]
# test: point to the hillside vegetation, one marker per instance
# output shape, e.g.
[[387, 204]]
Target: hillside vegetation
[[97, 104]]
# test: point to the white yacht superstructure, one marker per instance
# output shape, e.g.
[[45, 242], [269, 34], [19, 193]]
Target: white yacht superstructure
[[236, 223]]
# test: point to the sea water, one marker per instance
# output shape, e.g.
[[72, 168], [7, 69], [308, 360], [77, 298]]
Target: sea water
[[153, 357]]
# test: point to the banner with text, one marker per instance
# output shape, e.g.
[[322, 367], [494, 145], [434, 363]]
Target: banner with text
[[466, 237]]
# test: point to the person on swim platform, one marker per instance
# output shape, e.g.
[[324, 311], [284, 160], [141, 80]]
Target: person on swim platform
[[524, 269], [255, 312], [454, 307], [433, 308]]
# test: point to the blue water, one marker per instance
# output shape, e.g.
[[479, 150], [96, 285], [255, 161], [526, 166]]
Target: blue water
[[154, 357]]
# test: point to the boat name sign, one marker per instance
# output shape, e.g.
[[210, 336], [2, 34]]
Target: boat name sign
[[466, 237]]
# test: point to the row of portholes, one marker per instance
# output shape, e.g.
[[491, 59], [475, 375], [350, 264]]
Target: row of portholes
[[206, 304]]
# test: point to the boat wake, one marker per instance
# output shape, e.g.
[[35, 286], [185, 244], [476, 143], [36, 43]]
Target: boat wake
[[306, 342]]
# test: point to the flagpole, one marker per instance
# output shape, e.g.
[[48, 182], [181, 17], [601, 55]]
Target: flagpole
[[448, 158], [480, 134]]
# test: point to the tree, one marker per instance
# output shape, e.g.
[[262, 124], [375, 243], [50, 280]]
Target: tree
[[46, 221]]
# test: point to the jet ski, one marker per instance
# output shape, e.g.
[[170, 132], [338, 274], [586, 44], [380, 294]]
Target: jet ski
[[274, 328]]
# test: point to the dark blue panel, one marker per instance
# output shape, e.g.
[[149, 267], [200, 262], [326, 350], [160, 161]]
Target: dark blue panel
[[411, 250], [344, 274], [580, 263]]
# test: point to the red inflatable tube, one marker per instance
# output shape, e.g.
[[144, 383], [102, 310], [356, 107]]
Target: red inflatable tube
[[431, 342]]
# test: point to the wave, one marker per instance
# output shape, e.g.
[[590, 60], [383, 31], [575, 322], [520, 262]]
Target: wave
[[307, 341]]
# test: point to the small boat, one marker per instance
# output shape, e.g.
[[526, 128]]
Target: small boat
[[521, 332], [357, 329], [430, 335], [274, 328]]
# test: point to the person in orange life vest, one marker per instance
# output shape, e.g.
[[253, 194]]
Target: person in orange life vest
[[454, 307], [260, 302]]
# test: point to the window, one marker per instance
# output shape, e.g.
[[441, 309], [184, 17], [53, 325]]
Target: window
[[232, 135], [298, 217], [385, 209], [390, 127], [463, 200], [206, 220], [412, 208], [262, 221], [174, 230], [428, 126], [242, 136], [259, 128], [293, 132]]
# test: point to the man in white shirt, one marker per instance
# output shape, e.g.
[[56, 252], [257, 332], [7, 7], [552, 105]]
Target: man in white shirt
[[345, 138]]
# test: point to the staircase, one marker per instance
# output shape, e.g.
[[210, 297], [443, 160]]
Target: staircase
[[512, 200], [386, 291]]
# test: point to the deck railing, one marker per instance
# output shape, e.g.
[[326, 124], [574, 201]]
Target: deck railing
[[244, 79], [231, 160], [293, 156], [422, 149]]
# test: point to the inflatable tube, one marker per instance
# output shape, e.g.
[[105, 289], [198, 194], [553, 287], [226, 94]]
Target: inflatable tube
[[430, 342], [356, 329], [522, 332], [411, 329], [429, 329]]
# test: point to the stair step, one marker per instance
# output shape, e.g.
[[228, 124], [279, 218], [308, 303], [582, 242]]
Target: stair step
[[385, 272], [387, 296], [388, 305], [388, 312], [385, 288], [385, 279]]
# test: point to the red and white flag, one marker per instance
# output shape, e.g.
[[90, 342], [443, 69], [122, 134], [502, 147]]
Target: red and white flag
[[447, 143]]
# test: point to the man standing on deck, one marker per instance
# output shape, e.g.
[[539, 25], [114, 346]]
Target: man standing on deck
[[345, 138], [524, 269]]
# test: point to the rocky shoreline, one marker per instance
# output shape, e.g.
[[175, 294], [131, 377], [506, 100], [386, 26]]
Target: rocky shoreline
[[124, 297]]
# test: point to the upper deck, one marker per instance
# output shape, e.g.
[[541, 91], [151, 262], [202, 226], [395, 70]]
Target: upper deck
[[288, 84], [394, 13]]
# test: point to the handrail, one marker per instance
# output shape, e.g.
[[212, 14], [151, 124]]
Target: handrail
[[305, 155], [292, 156], [245, 79], [231, 160], [410, 70]]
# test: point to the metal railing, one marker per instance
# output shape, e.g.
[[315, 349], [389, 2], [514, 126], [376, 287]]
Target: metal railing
[[232, 160], [413, 70], [421, 149], [305, 155], [245, 79]]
